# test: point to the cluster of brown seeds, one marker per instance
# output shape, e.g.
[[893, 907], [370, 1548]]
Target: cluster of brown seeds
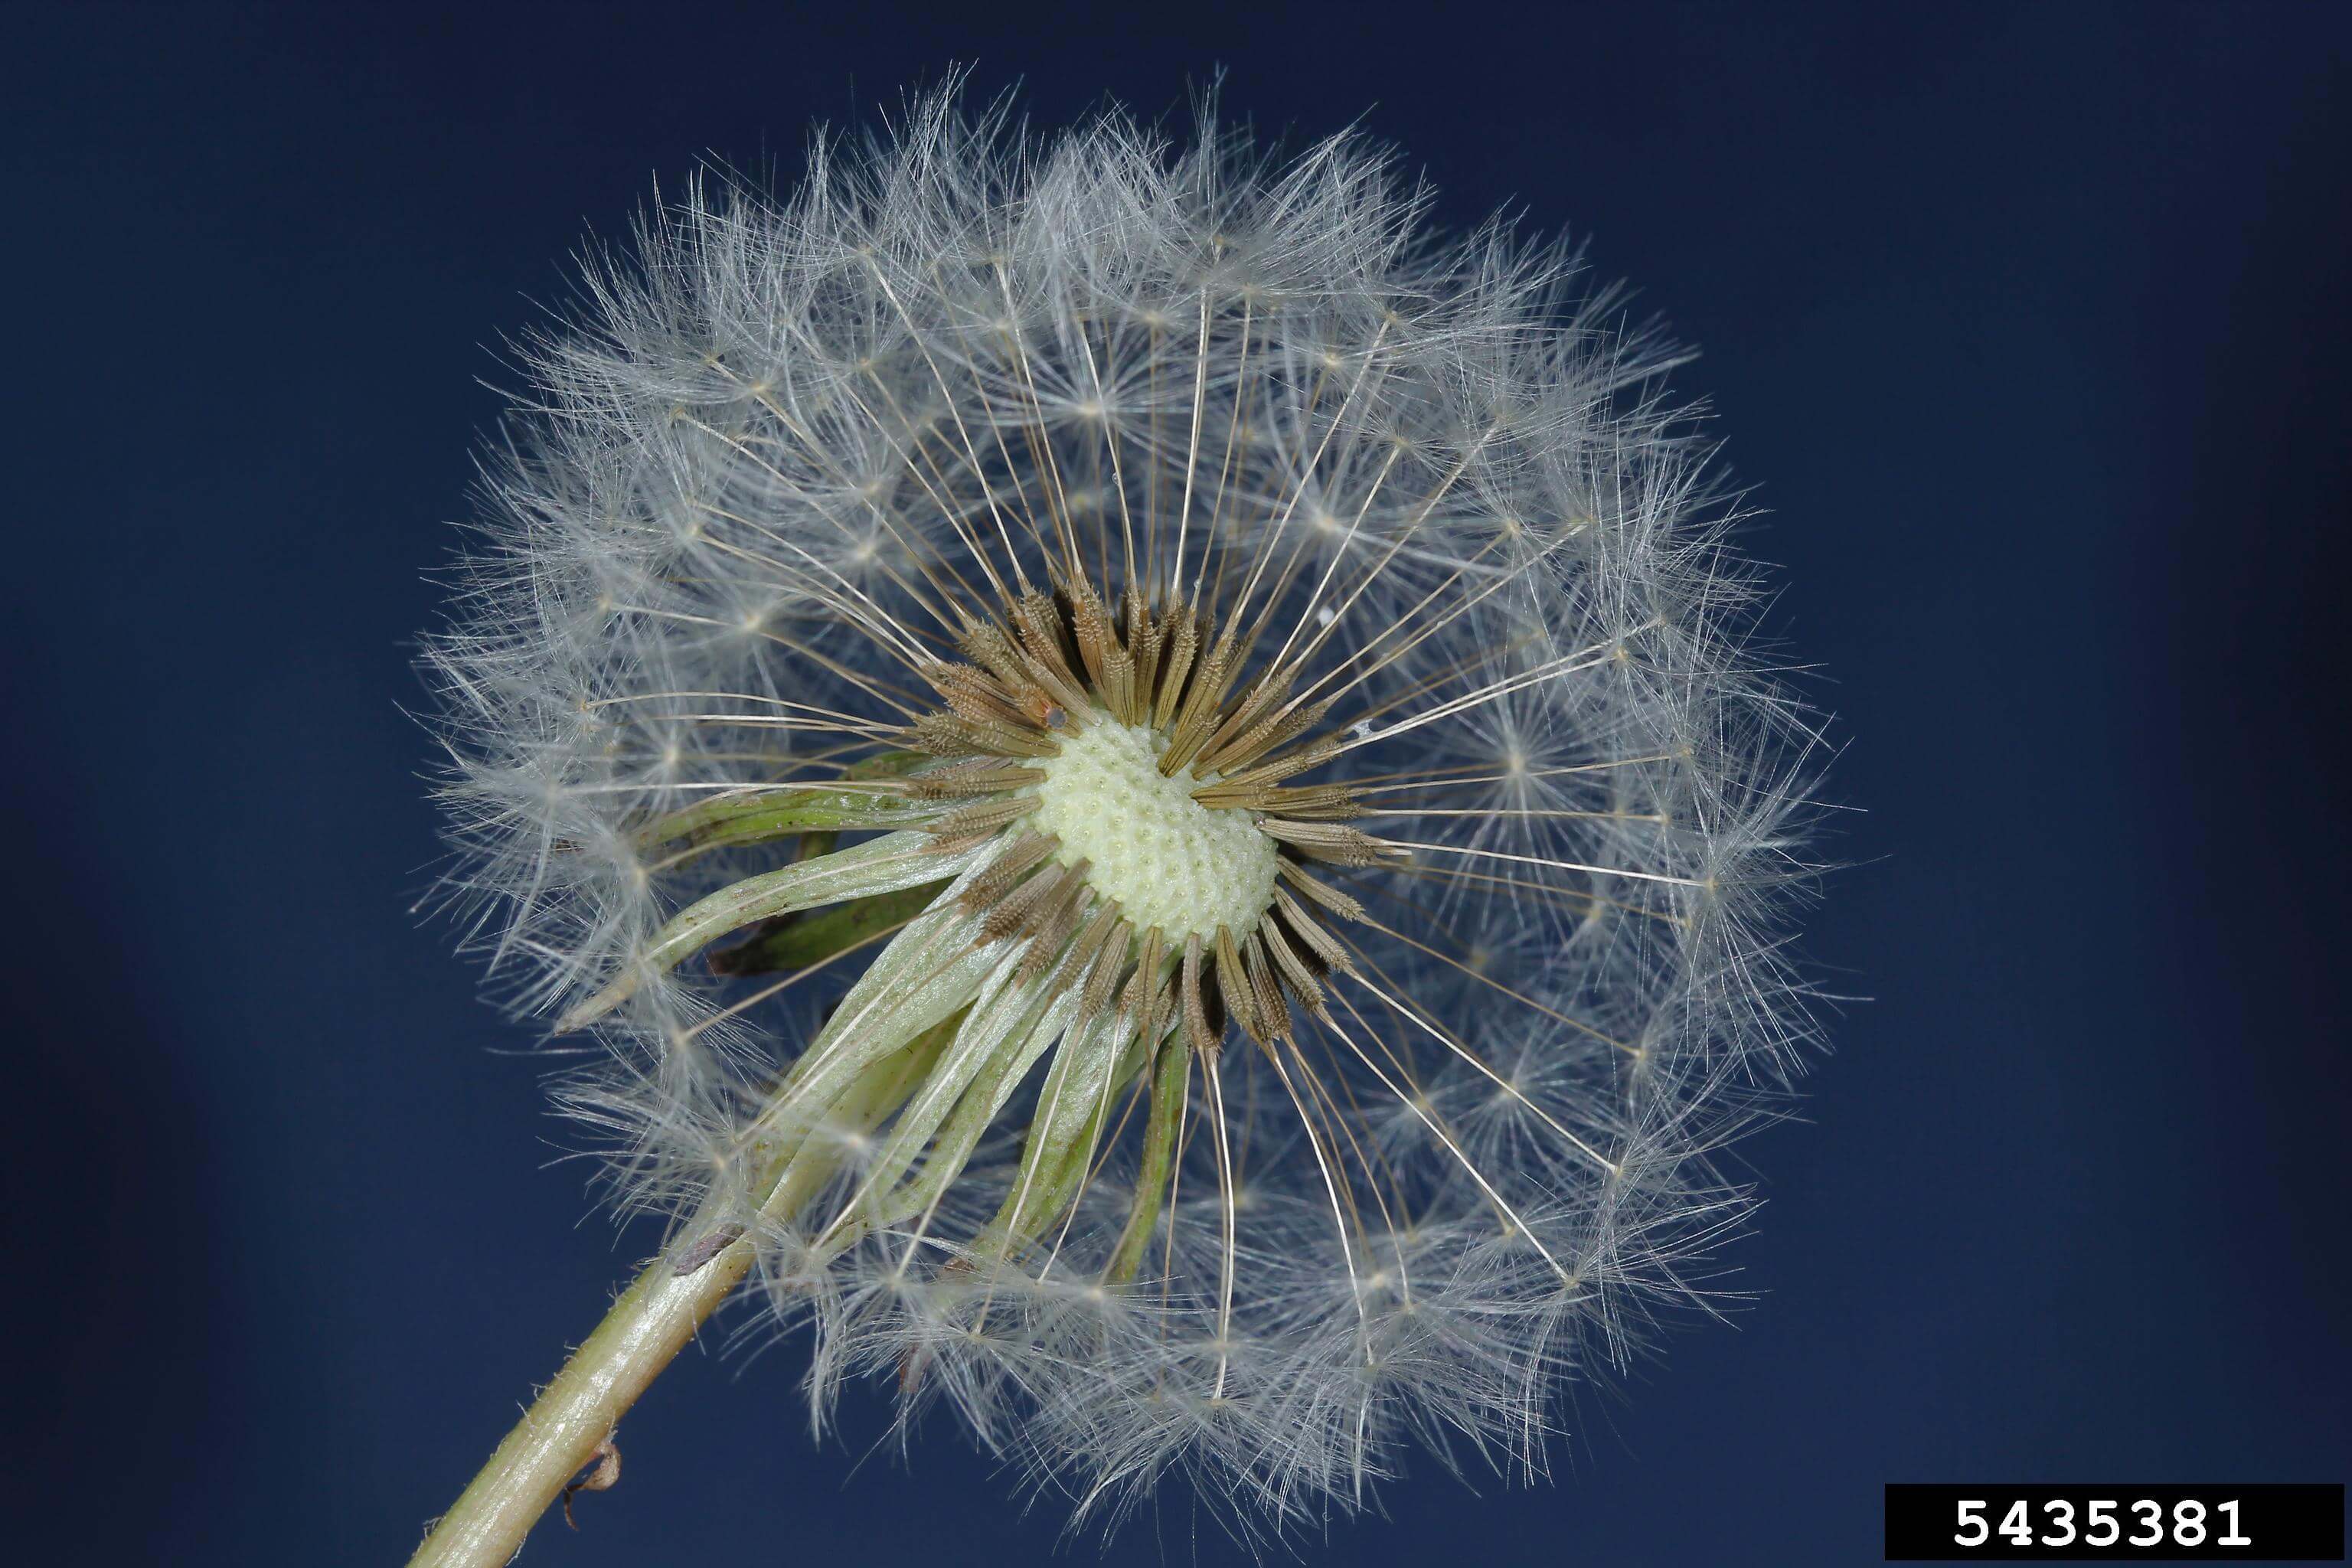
[[1023, 692]]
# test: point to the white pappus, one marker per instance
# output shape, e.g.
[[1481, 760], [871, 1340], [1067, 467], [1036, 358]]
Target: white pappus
[[1147, 776]]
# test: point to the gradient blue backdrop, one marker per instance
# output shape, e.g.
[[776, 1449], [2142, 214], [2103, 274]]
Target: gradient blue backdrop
[[2030, 322]]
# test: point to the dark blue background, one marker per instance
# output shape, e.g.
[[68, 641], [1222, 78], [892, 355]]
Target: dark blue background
[[2030, 322]]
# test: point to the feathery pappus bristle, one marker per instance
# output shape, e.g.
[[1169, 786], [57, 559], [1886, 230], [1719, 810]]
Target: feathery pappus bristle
[[1150, 776]]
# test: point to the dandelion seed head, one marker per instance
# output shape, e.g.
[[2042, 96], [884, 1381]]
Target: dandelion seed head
[[1150, 775]]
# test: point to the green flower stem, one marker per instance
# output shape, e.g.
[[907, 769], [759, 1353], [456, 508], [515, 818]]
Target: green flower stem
[[574, 1415], [652, 1321]]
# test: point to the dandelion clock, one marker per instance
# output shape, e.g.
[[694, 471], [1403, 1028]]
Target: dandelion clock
[[1139, 777]]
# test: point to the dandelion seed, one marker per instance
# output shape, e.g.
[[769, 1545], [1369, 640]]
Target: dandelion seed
[[1234, 711]]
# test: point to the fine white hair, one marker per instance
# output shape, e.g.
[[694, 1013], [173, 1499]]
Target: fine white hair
[[755, 475]]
